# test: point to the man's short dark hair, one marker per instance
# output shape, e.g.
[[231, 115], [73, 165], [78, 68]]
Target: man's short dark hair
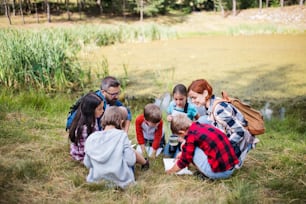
[[108, 82]]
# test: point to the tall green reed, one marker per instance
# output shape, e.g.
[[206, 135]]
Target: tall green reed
[[46, 59], [43, 59]]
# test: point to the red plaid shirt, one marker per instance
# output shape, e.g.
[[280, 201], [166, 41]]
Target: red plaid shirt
[[215, 144]]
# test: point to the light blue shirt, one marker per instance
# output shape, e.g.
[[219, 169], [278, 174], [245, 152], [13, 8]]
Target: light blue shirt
[[191, 110]]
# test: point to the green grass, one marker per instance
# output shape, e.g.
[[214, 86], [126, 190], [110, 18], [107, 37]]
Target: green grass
[[36, 167], [47, 58]]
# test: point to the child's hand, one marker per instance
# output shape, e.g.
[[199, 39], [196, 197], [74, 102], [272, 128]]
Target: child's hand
[[153, 155], [169, 118], [174, 169], [143, 150]]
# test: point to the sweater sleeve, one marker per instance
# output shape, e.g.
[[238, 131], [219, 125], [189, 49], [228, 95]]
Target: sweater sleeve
[[224, 112], [187, 152], [139, 133], [87, 161], [158, 135], [128, 152]]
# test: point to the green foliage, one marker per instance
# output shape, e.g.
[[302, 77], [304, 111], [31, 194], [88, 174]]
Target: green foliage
[[43, 59], [46, 59], [244, 4], [245, 29]]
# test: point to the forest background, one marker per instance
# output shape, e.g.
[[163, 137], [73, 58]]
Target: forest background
[[50, 57]]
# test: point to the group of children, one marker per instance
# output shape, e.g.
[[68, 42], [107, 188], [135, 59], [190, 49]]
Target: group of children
[[216, 149]]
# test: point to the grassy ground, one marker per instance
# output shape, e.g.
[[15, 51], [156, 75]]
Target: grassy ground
[[35, 166]]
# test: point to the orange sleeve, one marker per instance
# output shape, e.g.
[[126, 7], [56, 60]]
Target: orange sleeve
[[158, 135], [139, 133]]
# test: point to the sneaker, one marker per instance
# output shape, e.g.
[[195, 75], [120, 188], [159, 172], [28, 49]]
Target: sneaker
[[145, 166]]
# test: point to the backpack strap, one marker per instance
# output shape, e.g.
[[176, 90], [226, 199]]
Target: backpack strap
[[225, 96], [213, 116]]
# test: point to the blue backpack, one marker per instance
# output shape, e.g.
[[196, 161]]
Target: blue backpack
[[74, 108]]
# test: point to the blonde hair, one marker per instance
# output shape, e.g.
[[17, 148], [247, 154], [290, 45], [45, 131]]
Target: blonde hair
[[180, 122], [115, 116]]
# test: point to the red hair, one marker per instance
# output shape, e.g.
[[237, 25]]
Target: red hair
[[199, 86]]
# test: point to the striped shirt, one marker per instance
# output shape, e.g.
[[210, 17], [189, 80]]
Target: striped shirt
[[231, 121], [77, 151]]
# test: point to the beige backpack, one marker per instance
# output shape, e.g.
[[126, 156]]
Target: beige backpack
[[253, 117]]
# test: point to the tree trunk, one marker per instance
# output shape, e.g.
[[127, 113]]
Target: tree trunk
[[301, 2], [13, 7], [267, 3], [123, 9], [260, 6], [141, 10], [7, 12], [29, 6], [221, 8], [21, 12], [36, 13], [234, 7], [48, 10], [101, 7], [68, 12], [282, 3], [80, 9]]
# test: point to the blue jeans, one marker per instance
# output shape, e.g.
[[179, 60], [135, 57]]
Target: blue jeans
[[171, 151], [201, 162]]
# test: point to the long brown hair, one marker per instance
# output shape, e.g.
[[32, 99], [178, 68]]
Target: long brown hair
[[85, 116]]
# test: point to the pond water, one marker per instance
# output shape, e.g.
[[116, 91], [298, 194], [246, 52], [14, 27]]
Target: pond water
[[265, 66]]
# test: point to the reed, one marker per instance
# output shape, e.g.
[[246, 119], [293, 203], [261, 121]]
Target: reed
[[43, 59], [47, 58]]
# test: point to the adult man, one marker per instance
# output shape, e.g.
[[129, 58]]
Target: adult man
[[110, 91]]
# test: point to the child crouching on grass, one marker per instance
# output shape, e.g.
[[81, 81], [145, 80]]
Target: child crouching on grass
[[149, 131], [205, 146], [108, 153]]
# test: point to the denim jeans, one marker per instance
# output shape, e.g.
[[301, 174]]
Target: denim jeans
[[168, 150], [201, 162]]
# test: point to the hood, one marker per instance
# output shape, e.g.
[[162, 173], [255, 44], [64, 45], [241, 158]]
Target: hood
[[102, 144]]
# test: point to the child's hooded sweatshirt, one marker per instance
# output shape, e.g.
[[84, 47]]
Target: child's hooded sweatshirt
[[109, 156]]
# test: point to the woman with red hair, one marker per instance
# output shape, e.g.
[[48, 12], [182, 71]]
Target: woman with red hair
[[223, 116]]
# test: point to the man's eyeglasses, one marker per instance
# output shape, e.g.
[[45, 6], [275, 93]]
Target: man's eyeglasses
[[113, 94]]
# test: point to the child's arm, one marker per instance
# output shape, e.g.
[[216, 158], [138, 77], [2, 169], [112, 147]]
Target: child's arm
[[128, 152], [153, 154], [127, 126], [169, 112], [87, 162], [143, 149], [157, 138], [139, 133]]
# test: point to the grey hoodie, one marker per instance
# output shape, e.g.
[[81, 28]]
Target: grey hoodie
[[109, 156]]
